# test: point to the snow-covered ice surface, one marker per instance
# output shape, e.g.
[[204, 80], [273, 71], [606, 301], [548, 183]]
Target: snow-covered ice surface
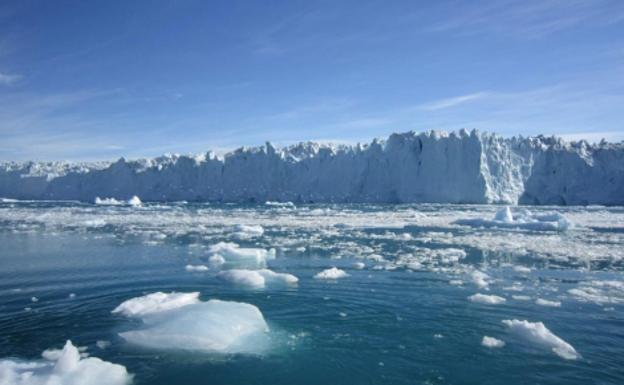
[[468, 167], [180, 292]]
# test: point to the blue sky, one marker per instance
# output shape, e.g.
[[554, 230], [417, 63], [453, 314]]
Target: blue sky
[[84, 80]]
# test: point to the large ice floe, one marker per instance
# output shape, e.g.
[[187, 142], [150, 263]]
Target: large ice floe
[[66, 366], [538, 334], [521, 219], [180, 321], [436, 167], [234, 254]]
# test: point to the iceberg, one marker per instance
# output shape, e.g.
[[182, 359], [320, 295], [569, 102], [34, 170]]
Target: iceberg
[[213, 326], [229, 252], [257, 279], [433, 167], [331, 273], [66, 366], [538, 334], [487, 299]]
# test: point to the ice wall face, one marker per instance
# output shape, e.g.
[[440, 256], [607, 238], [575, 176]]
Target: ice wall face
[[428, 167]]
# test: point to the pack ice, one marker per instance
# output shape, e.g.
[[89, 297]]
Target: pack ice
[[462, 167]]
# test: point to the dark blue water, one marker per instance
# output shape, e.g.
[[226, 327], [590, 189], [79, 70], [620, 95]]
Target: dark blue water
[[385, 324]]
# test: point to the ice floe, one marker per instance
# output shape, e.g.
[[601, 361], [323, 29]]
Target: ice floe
[[212, 326], [538, 334], [480, 279], [233, 253], [256, 278], [487, 299], [491, 342], [63, 367], [331, 273], [599, 292], [248, 231]]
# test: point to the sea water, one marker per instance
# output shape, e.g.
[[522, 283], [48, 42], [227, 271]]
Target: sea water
[[402, 311]]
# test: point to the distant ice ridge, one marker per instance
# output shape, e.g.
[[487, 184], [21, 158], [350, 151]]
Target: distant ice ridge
[[521, 219], [462, 167], [180, 321], [67, 367]]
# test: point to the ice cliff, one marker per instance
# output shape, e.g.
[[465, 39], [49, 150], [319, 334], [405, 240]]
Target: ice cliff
[[462, 167]]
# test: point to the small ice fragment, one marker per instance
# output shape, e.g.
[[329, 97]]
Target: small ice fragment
[[196, 268], [491, 342], [487, 299], [545, 302], [332, 273], [538, 334]]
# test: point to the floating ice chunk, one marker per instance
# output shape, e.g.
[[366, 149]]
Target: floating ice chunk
[[456, 282], [63, 367], [248, 231], [34, 299], [438, 336], [522, 269], [71, 295], [521, 297], [480, 279], [491, 342], [213, 326], [332, 273], [196, 268], [538, 334], [487, 299], [108, 201], [599, 292], [156, 303], [233, 253], [257, 278], [359, 265], [135, 201], [522, 219], [279, 204], [545, 302], [248, 278]]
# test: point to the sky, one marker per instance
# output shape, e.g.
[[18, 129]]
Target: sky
[[97, 80]]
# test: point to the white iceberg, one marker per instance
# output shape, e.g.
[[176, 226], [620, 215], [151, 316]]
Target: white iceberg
[[196, 268], [548, 303], [214, 326], [257, 279], [487, 299], [134, 201], [538, 334], [63, 367], [233, 253], [491, 342], [331, 273]]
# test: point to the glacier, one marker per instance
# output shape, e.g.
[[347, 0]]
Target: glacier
[[429, 167]]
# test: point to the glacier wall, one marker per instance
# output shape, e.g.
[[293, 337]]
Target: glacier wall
[[435, 167]]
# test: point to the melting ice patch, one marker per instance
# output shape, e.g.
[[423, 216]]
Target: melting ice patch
[[213, 326], [156, 303], [539, 334], [599, 292], [522, 219], [257, 279], [248, 231], [63, 367], [332, 273]]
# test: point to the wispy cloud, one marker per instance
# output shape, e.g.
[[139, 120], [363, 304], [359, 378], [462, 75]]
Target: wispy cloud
[[452, 101], [8, 79], [530, 19]]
